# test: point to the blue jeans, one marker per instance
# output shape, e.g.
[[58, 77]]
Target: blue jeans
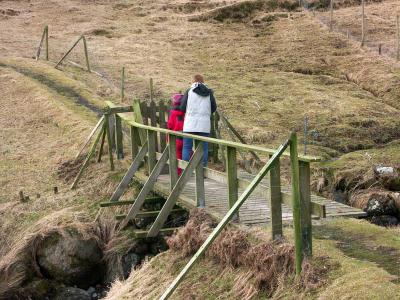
[[188, 146]]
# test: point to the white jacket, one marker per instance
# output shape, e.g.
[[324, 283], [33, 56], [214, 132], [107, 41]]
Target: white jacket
[[198, 112]]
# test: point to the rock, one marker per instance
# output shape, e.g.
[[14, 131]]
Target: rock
[[91, 290], [71, 259], [385, 220], [129, 261], [381, 204], [94, 296], [158, 246], [388, 177], [71, 293], [39, 288]]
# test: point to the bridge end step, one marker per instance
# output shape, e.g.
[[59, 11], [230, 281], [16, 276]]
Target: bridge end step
[[150, 214], [141, 234]]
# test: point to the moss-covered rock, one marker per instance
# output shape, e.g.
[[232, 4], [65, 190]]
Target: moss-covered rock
[[71, 259]]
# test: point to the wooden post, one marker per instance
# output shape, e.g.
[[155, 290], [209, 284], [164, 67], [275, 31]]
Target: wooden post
[[276, 200], [122, 84], [109, 140], [380, 49], [348, 34], [103, 137], [173, 162], [86, 53], [161, 121], [151, 90], [216, 147], [331, 17], [363, 23], [231, 170], [294, 163], [199, 178], [145, 112], [135, 141], [152, 149], [47, 42], [153, 121], [119, 137], [398, 36], [305, 207]]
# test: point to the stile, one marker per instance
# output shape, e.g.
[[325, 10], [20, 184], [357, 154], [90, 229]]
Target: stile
[[305, 207], [276, 200], [119, 137], [231, 169], [199, 178], [152, 149], [294, 164], [162, 109], [173, 162]]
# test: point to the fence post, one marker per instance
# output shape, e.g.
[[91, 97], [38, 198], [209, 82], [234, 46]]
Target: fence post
[[118, 137], [173, 162], [47, 42], [199, 178], [294, 164], [276, 200], [86, 53], [151, 135], [151, 90], [231, 169], [380, 49], [122, 84], [363, 23], [215, 127], [305, 207], [145, 112]]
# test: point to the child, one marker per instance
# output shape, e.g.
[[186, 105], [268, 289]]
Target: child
[[175, 123]]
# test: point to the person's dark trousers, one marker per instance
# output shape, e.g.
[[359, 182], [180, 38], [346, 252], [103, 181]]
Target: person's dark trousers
[[188, 146]]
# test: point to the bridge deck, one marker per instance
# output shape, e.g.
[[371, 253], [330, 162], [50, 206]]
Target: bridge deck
[[254, 211]]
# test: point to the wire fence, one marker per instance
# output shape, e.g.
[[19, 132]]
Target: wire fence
[[382, 44]]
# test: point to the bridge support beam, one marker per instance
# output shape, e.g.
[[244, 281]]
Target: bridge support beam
[[276, 200], [305, 207]]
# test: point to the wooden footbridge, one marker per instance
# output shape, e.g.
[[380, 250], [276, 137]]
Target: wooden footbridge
[[230, 195]]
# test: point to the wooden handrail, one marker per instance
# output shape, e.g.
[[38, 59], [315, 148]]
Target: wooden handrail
[[128, 118]]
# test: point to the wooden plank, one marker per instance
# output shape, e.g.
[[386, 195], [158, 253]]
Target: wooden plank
[[119, 109], [152, 149], [199, 178], [224, 221], [109, 141], [99, 123], [294, 164], [173, 163], [231, 169], [68, 52], [146, 188], [172, 198], [145, 112], [129, 174], [275, 202], [161, 121], [130, 202], [118, 137], [149, 214]]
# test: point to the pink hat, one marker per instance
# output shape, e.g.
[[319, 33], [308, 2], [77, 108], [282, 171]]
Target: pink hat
[[176, 99]]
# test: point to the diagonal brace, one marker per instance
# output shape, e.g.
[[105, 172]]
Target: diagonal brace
[[129, 174], [146, 188], [173, 196]]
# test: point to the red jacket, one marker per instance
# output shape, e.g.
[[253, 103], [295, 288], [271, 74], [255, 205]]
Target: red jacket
[[175, 120]]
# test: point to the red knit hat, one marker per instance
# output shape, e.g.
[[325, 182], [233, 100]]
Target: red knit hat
[[176, 99]]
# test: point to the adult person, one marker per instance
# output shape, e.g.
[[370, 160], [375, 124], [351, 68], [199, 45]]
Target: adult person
[[198, 103]]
